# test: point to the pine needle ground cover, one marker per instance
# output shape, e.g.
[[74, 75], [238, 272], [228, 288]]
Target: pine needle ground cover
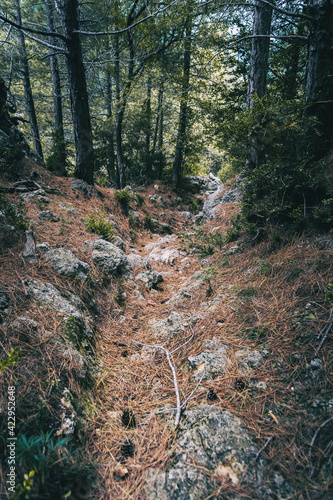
[[274, 298]]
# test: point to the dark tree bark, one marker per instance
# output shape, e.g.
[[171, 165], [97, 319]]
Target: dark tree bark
[[119, 120], [84, 169], [148, 128], [319, 72], [183, 121], [258, 73], [59, 163], [110, 165], [259, 51], [29, 100], [158, 134]]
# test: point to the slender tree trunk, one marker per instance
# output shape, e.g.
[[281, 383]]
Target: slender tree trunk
[[258, 74], [160, 160], [259, 51], [319, 72], [119, 120], [182, 124], [290, 78], [158, 134], [110, 146], [148, 128], [60, 154], [29, 101], [68, 10]]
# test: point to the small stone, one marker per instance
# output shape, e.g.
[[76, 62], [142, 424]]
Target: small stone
[[48, 215]]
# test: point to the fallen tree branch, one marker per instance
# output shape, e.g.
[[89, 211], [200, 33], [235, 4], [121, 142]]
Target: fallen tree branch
[[179, 407]]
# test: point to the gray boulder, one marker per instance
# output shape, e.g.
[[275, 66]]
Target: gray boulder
[[80, 185], [108, 256], [47, 295], [174, 324], [48, 215], [29, 252], [212, 440], [39, 195], [135, 260], [248, 360], [65, 263], [215, 200], [210, 363], [150, 279]]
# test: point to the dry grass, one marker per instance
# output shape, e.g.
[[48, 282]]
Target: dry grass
[[276, 304]]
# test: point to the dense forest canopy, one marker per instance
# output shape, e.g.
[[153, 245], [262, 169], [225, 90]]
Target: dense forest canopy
[[128, 91]]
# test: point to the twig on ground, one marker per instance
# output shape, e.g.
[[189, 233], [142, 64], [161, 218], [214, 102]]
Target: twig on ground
[[263, 448], [326, 330], [179, 407]]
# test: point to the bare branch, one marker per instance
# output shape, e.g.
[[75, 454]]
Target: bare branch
[[31, 30], [118, 32], [287, 12]]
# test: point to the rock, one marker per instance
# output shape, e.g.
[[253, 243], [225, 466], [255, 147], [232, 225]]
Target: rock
[[187, 215], [29, 252], [135, 260], [135, 216], [185, 292], [155, 198], [68, 208], [8, 236], [43, 247], [65, 263], [80, 185], [160, 252], [39, 195], [174, 323], [26, 328], [215, 302], [210, 363], [150, 279], [68, 415], [200, 184], [248, 360], [119, 243], [6, 305], [48, 215], [108, 256], [215, 200], [167, 256], [210, 439], [48, 294]]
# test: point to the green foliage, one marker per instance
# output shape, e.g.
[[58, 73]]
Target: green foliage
[[141, 200], [124, 197], [24, 489], [285, 184], [97, 224], [149, 222], [11, 360], [329, 293], [15, 214], [119, 297]]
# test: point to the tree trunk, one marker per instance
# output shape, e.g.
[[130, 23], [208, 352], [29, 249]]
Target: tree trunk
[[84, 169], [319, 72], [259, 51], [59, 164], [148, 129], [182, 125], [29, 101], [158, 134], [110, 165], [119, 120]]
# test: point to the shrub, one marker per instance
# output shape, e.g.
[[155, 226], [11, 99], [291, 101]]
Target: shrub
[[96, 224], [124, 197]]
